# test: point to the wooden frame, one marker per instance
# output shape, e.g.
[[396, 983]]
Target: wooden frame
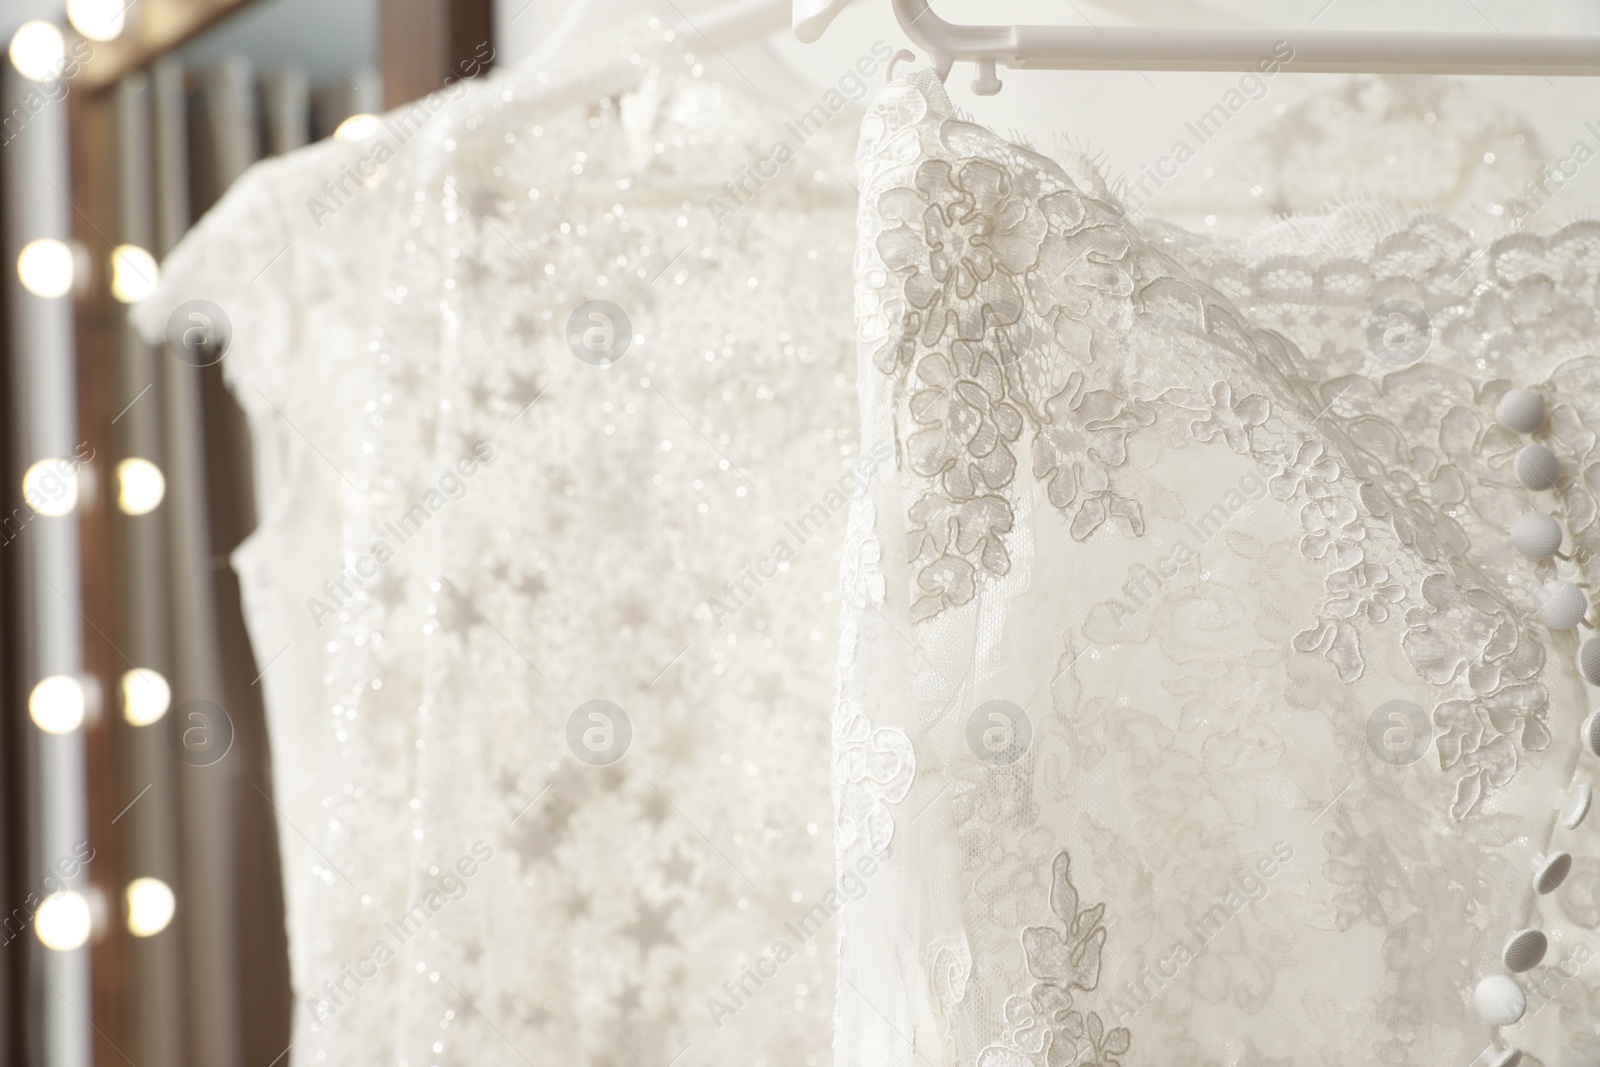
[[421, 43], [159, 27], [96, 336]]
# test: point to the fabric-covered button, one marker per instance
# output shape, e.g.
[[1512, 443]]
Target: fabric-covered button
[[1589, 660], [1524, 950], [1537, 467], [1591, 733], [1536, 535], [1577, 809], [1561, 605], [1505, 1057], [1551, 872], [1500, 1000], [1521, 411]]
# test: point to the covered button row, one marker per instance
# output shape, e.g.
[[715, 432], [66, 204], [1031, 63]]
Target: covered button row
[[1522, 411], [1499, 999], [1562, 605]]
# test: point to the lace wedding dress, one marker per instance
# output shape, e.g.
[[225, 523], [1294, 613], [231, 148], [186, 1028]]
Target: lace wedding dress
[[1195, 707], [553, 407]]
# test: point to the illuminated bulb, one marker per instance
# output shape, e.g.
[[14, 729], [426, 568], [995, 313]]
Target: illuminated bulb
[[50, 487], [38, 51], [58, 704], [150, 906], [356, 128], [145, 696], [62, 921], [133, 273], [98, 20], [45, 267], [140, 486]]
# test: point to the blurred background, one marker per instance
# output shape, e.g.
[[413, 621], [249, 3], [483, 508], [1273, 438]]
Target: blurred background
[[140, 894]]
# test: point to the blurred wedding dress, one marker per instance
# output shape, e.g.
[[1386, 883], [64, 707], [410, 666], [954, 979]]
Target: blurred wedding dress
[[551, 388], [1194, 703]]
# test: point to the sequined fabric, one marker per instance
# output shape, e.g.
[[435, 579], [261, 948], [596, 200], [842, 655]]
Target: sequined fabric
[[476, 522]]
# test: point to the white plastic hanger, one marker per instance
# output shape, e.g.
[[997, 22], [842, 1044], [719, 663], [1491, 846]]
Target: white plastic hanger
[[741, 32], [724, 27], [1143, 48]]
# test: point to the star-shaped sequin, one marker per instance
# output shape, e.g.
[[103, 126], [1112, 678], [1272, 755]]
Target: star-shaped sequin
[[678, 868], [651, 929]]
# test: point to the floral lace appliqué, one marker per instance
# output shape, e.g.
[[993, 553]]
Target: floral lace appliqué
[[1046, 1027], [873, 768]]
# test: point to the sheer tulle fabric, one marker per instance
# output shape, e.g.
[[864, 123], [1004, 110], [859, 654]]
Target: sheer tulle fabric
[[1191, 709], [469, 532]]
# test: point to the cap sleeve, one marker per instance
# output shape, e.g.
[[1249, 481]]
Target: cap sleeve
[[237, 265]]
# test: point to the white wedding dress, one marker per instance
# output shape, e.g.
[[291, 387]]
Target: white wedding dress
[[1190, 709], [1193, 705], [476, 522]]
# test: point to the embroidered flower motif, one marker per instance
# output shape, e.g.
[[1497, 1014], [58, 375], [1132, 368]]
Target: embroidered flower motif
[[860, 575], [1308, 469], [1330, 523], [961, 228], [1230, 419], [872, 769], [969, 424], [1577, 446], [1083, 438], [1088, 259], [1475, 639], [949, 969], [1008, 859], [978, 259], [1045, 1028], [947, 538]]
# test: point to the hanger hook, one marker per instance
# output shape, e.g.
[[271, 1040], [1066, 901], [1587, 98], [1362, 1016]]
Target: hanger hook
[[903, 54]]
